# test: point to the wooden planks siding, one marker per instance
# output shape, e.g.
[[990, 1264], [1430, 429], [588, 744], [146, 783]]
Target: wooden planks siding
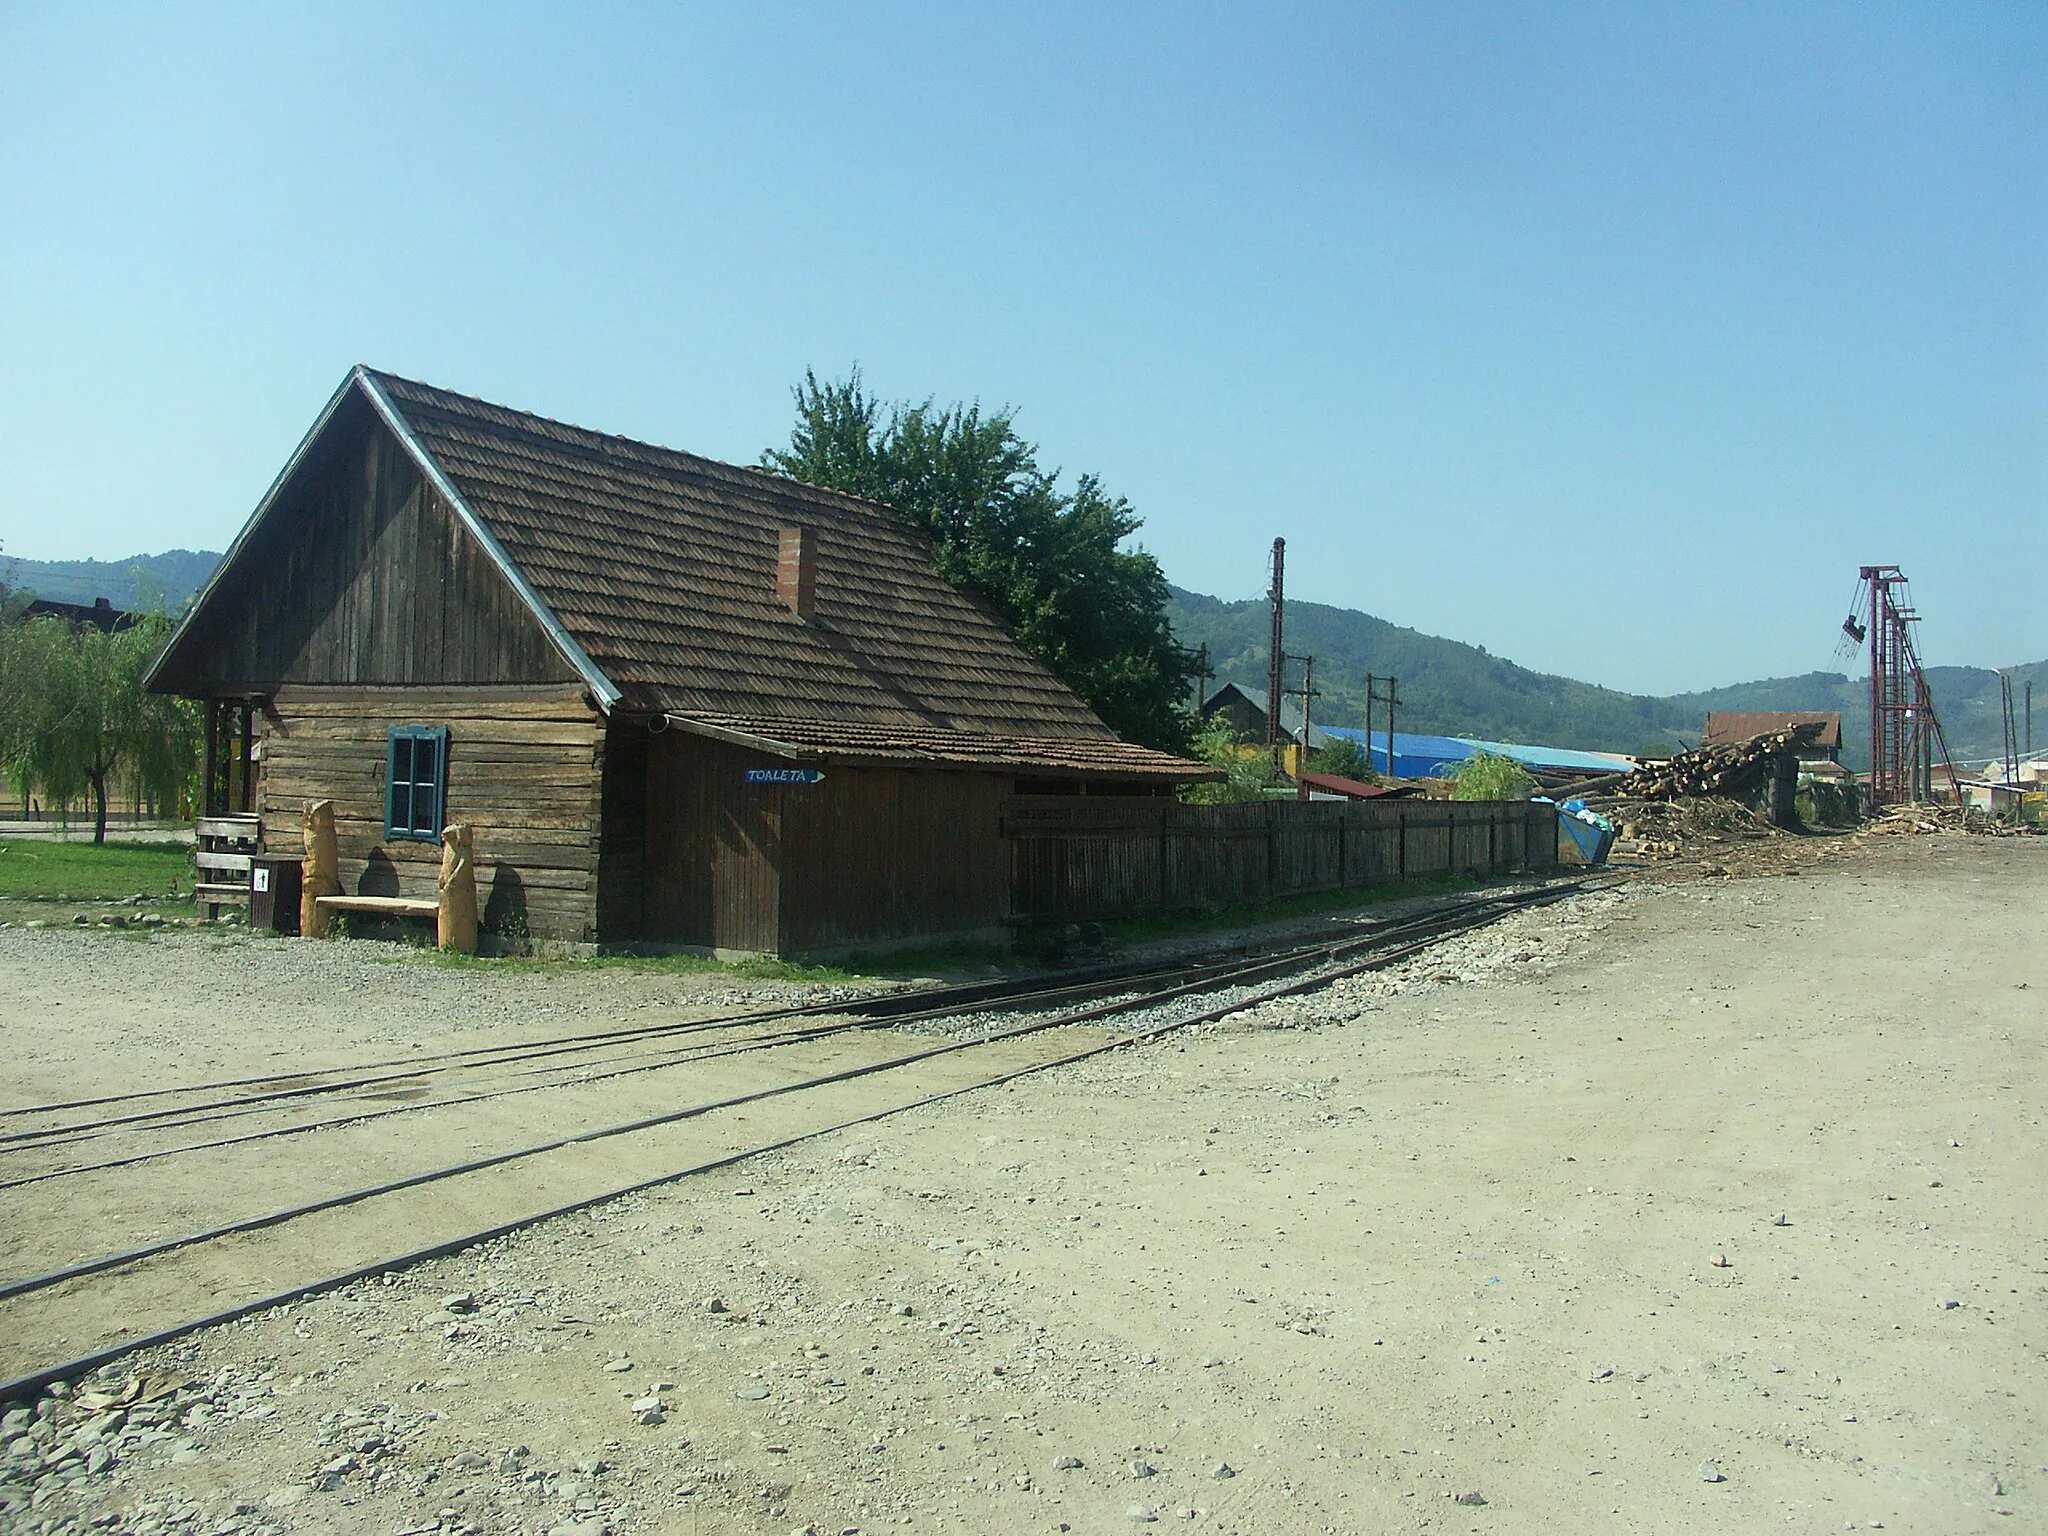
[[525, 770], [875, 855], [361, 574], [867, 856], [711, 873], [1076, 859], [622, 835]]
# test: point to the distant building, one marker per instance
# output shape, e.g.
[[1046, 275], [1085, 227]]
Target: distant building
[[1332, 786], [101, 614], [1244, 714], [1727, 728]]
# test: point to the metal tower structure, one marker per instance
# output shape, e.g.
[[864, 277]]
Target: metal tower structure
[[1905, 733]]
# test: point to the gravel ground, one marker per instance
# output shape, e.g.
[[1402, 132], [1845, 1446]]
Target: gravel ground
[[1701, 1206], [92, 1011]]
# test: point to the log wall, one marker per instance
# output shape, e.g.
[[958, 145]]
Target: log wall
[[525, 770]]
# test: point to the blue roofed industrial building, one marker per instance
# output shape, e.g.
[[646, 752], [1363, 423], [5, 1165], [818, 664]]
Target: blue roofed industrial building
[[1422, 757]]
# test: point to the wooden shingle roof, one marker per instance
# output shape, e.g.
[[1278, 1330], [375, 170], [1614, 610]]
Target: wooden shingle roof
[[661, 568]]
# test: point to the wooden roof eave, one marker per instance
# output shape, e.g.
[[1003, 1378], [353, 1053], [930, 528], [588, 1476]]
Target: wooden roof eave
[[601, 687], [770, 746]]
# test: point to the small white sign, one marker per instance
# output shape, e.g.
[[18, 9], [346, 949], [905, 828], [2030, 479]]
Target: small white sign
[[260, 878]]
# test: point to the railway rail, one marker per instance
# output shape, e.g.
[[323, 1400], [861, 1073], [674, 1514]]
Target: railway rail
[[822, 1070]]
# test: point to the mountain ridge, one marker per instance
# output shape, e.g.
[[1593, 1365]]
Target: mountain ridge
[[1452, 688], [1448, 687]]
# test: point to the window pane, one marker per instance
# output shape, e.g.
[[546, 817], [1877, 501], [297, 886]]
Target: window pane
[[426, 795], [401, 760], [401, 805]]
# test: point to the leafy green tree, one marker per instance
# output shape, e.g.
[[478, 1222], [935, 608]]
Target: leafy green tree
[[73, 716], [1345, 758], [1050, 562]]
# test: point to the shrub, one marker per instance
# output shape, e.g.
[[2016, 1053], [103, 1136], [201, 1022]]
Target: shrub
[[1250, 769], [1489, 776], [1343, 757]]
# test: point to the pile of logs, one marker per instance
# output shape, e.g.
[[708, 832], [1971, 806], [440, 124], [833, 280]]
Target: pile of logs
[[1733, 770]]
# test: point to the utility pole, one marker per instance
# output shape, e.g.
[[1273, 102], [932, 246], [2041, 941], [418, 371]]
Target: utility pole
[[1306, 693], [1203, 673], [2009, 747], [1390, 698], [2030, 717], [1368, 721], [1277, 655], [1393, 698]]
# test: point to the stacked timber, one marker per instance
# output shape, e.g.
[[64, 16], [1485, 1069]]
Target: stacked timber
[[1735, 770]]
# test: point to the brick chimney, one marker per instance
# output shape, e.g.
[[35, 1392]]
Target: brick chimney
[[796, 571]]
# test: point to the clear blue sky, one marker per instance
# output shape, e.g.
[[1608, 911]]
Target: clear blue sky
[[1611, 338]]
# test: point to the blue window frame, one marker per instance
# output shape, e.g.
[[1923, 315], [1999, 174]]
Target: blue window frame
[[415, 782]]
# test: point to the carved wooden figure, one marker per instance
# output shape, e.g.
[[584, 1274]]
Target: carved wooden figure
[[458, 890], [320, 874]]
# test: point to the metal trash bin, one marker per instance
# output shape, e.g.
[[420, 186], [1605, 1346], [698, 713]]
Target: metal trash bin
[[274, 894]]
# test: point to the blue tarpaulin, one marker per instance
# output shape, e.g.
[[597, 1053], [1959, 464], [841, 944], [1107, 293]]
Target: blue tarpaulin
[[1422, 757]]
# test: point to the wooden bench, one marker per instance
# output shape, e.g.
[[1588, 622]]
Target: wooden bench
[[453, 912], [380, 906]]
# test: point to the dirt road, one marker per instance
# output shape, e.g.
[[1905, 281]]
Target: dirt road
[[1715, 1206]]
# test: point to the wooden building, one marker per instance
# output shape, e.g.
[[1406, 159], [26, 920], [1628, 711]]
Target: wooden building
[[1245, 715], [1733, 727], [679, 701]]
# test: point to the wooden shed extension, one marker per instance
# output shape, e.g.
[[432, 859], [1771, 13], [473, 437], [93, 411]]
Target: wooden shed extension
[[679, 701]]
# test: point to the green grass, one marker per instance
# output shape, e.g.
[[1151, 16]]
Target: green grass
[[37, 870]]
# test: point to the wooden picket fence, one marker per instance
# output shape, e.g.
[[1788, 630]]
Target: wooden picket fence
[[1073, 858]]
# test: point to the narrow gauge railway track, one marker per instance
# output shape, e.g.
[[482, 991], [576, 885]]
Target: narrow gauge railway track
[[181, 1275], [888, 1007], [367, 1088], [584, 1060]]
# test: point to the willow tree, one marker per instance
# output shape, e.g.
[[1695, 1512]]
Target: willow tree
[[74, 718]]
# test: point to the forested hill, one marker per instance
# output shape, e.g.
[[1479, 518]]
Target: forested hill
[[1447, 687], [1455, 689], [140, 581]]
